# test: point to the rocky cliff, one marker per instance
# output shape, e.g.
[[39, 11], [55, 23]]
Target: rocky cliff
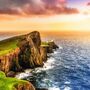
[[30, 53]]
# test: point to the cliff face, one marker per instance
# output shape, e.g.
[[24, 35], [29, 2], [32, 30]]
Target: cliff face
[[29, 54], [27, 86], [9, 62]]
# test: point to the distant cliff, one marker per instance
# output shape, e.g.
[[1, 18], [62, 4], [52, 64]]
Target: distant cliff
[[30, 53]]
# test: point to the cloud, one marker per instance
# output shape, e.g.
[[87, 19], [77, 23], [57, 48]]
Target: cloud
[[88, 4], [26, 7], [11, 11]]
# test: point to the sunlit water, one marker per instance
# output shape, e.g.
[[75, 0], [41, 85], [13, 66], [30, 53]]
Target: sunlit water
[[68, 68]]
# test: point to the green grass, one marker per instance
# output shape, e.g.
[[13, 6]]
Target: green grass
[[45, 44], [7, 83], [8, 45]]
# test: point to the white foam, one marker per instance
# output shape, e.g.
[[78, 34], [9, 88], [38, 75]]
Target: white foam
[[55, 52], [23, 75], [67, 88], [28, 70], [49, 64], [60, 47], [53, 88], [37, 70], [50, 60], [67, 82]]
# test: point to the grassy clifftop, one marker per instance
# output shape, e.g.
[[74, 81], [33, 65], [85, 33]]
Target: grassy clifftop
[[7, 83], [8, 45]]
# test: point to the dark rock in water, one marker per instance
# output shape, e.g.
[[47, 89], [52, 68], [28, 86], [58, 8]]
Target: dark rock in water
[[49, 46], [41, 89], [49, 49], [52, 45], [11, 74]]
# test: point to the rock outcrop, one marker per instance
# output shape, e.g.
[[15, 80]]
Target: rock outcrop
[[29, 54], [27, 86], [49, 46]]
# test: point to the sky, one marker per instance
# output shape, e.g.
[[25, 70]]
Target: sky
[[78, 2], [44, 15], [28, 7]]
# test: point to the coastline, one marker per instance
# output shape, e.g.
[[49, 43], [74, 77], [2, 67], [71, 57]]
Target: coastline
[[29, 48]]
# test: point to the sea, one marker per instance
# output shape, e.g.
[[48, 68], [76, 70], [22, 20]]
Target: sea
[[68, 68]]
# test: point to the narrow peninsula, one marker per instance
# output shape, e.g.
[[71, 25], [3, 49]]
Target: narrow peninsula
[[20, 53]]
